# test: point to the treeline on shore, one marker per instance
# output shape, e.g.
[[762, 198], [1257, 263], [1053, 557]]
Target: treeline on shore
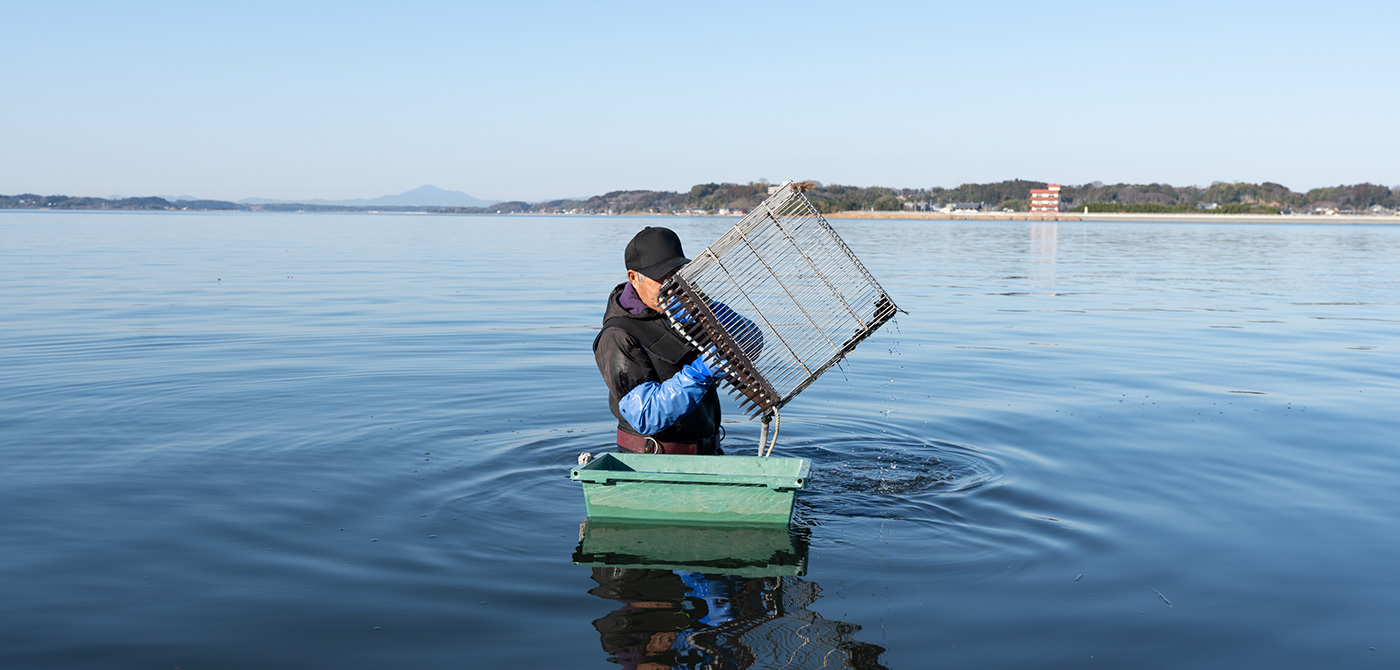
[[1219, 197], [1227, 198]]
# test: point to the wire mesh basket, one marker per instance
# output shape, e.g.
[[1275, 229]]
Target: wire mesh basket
[[779, 297]]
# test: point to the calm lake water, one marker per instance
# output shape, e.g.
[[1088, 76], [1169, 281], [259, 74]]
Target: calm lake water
[[260, 440]]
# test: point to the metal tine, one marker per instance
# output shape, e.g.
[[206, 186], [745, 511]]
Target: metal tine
[[740, 375], [741, 371]]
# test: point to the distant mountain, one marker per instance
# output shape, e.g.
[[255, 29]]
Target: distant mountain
[[423, 196]]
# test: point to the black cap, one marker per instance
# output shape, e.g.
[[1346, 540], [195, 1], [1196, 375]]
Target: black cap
[[655, 252]]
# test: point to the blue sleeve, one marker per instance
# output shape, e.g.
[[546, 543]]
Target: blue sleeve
[[743, 331], [718, 593], [652, 407]]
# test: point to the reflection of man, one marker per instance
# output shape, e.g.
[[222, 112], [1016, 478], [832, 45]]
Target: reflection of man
[[643, 632], [686, 619], [659, 388]]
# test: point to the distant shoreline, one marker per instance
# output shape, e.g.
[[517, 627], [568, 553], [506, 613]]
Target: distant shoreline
[[1342, 219], [1155, 218]]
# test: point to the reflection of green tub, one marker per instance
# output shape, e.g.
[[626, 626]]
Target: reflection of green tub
[[747, 551], [692, 489]]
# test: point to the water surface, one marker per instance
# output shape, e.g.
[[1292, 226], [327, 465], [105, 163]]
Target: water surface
[[267, 440]]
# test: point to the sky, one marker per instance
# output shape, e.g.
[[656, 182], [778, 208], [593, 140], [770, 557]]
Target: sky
[[541, 100]]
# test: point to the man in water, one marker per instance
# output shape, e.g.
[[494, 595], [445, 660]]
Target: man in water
[[660, 388]]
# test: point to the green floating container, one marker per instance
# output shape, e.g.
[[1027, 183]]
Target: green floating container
[[746, 551], [692, 489]]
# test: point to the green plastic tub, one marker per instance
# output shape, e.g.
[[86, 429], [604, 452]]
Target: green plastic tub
[[692, 489]]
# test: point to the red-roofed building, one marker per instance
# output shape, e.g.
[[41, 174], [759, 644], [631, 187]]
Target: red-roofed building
[[1045, 199]]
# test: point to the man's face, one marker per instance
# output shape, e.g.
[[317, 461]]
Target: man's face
[[647, 289]]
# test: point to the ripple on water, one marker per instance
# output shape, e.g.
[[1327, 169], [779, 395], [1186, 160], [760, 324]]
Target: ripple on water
[[515, 484], [951, 469], [869, 469], [887, 458]]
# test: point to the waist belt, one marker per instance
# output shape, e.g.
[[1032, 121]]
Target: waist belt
[[650, 445]]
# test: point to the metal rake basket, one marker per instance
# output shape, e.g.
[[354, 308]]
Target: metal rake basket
[[779, 297]]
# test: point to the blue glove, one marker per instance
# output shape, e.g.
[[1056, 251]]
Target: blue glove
[[652, 407], [710, 365]]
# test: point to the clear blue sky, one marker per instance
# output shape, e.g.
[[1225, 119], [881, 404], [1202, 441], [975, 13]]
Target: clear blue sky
[[303, 100]]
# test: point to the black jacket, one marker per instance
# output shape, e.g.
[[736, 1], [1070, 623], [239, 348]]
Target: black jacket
[[650, 352]]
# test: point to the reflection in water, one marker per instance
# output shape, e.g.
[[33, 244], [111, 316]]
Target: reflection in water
[[752, 613], [1044, 249], [681, 619], [746, 551]]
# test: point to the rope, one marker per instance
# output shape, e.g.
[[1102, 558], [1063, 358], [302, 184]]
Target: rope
[[777, 421]]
